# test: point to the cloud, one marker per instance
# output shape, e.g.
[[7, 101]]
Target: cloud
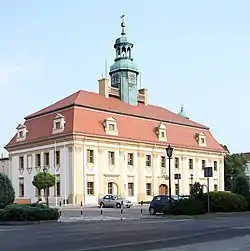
[[21, 67]]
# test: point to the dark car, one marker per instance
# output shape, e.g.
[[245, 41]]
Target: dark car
[[158, 202]]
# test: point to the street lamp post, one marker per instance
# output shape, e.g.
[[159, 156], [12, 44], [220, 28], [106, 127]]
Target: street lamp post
[[192, 178], [169, 151], [46, 188]]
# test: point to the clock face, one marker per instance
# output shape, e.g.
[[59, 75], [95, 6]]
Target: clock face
[[116, 79], [132, 78]]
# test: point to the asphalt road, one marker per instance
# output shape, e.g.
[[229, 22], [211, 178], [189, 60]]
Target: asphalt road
[[128, 235]]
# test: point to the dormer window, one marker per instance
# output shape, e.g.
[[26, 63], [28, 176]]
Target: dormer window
[[21, 132], [161, 132], [58, 123], [201, 139], [110, 126]]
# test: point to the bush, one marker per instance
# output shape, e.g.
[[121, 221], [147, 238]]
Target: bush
[[221, 201], [185, 207], [31, 212], [7, 193]]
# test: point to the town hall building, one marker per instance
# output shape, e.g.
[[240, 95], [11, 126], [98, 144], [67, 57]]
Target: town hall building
[[112, 142]]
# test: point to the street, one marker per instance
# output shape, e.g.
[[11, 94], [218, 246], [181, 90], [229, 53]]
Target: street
[[222, 233]]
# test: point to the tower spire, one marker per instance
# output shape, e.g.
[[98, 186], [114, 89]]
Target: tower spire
[[123, 25]]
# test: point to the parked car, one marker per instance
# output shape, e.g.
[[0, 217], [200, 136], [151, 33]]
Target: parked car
[[158, 203], [114, 201]]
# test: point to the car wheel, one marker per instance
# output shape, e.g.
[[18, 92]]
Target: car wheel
[[152, 211], [102, 205], [118, 205]]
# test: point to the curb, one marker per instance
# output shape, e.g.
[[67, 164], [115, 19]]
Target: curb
[[19, 223]]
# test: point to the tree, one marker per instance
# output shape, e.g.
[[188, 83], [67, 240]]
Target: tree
[[44, 181], [234, 165], [196, 191], [7, 193], [241, 185]]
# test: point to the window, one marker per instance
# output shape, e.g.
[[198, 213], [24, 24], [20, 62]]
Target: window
[[57, 158], [215, 166], [57, 187], [148, 189], [162, 134], [191, 164], [38, 159], [215, 187], [21, 187], [21, 134], [90, 188], [130, 159], [110, 188], [148, 160], [58, 125], [202, 141], [177, 189], [203, 163], [130, 189], [111, 127], [46, 159], [176, 163], [111, 158], [163, 161], [21, 162], [90, 156]]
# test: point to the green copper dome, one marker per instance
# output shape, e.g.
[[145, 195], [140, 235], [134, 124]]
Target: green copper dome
[[124, 64], [182, 113]]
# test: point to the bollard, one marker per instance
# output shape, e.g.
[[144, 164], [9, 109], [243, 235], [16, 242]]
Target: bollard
[[60, 211], [81, 210], [101, 212], [121, 210], [141, 209]]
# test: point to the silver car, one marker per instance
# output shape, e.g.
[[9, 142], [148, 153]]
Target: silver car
[[114, 201]]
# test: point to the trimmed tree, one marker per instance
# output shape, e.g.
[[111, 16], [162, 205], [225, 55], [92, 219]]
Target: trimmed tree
[[7, 193], [43, 181], [196, 191]]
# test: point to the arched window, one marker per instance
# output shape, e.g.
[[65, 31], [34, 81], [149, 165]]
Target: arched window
[[123, 51]]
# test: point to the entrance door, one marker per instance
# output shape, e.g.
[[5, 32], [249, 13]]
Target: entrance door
[[163, 189]]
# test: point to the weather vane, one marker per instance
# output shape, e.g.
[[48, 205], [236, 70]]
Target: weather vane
[[123, 24]]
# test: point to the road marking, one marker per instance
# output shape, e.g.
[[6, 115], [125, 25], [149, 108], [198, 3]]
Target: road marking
[[10, 229], [241, 228], [127, 244]]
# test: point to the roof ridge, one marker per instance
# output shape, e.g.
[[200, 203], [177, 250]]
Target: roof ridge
[[43, 110]]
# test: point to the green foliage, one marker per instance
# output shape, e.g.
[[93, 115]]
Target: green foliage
[[196, 191], [224, 201], [234, 165], [185, 207], [43, 180], [241, 185], [7, 193], [15, 212]]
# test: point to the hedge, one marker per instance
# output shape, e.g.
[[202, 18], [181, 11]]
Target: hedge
[[222, 201], [31, 212], [219, 202], [185, 207]]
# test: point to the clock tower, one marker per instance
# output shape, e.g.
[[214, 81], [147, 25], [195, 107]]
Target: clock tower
[[124, 72]]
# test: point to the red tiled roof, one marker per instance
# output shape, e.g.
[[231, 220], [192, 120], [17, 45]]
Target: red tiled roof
[[86, 111]]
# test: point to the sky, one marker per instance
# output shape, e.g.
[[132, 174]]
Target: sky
[[191, 53]]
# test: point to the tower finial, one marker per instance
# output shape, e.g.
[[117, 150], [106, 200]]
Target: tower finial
[[182, 109], [123, 25]]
